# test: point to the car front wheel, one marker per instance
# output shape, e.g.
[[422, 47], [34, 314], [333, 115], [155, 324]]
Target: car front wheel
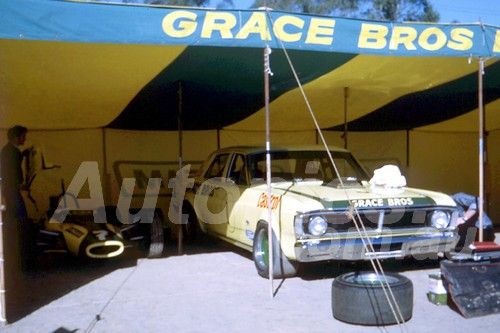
[[282, 266]]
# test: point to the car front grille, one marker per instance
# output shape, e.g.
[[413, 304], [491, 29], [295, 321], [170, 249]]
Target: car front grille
[[393, 219], [387, 218]]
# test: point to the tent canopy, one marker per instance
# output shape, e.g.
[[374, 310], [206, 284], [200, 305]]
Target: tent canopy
[[72, 65]]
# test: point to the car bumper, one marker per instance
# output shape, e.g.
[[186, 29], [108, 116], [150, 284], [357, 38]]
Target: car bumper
[[387, 246]]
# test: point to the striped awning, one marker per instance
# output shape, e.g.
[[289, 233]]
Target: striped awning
[[69, 65]]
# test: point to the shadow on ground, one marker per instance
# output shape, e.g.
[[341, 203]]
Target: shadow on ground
[[57, 274], [322, 270], [325, 270]]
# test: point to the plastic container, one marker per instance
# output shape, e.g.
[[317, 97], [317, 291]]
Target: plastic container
[[437, 292]]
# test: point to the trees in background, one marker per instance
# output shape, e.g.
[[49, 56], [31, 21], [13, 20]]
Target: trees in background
[[384, 10], [403, 10], [324, 7]]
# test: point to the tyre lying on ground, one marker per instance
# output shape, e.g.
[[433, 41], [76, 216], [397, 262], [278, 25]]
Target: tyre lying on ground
[[359, 298]]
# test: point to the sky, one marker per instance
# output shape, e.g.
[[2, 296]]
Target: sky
[[467, 11], [463, 11]]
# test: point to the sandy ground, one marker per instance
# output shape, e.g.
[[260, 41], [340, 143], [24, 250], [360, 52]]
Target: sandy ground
[[213, 287]]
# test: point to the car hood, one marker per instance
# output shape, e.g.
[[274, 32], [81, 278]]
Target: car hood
[[363, 196]]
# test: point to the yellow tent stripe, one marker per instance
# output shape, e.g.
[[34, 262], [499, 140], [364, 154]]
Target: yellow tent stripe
[[47, 80], [373, 82]]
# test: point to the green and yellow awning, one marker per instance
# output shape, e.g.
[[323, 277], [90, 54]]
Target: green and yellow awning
[[71, 65]]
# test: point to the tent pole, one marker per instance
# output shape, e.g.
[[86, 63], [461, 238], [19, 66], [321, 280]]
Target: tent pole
[[267, 71], [481, 147], [218, 139], [3, 317], [179, 206], [107, 195], [407, 148], [346, 95]]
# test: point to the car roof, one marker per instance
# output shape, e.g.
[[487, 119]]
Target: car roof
[[258, 149]]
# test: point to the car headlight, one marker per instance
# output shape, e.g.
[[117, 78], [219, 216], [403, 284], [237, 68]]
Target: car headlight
[[317, 226], [440, 219]]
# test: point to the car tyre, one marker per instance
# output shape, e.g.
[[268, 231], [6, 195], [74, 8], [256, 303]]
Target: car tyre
[[190, 230], [155, 237], [282, 266], [358, 298]]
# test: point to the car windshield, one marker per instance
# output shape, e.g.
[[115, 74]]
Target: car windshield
[[306, 165]]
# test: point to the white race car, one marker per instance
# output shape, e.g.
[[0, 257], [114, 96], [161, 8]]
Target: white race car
[[316, 215]]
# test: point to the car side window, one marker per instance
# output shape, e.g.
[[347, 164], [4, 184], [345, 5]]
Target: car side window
[[238, 170], [216, 169]]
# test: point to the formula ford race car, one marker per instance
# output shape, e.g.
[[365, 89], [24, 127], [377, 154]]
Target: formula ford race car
[[64, 230], [76, 231]]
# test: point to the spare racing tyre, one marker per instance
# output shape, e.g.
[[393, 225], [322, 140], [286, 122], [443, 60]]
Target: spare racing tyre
[[358, 298]]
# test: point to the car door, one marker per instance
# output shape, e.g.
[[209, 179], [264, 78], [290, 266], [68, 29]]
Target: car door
[[237, 183], [225, 194], [212, 201], [210, 198]]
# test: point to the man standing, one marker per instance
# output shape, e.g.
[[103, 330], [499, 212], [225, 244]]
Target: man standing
[[11, 171]]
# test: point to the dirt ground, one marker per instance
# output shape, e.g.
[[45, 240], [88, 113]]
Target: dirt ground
[[212, 287]]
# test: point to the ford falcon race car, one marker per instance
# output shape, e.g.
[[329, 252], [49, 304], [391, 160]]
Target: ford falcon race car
[[320, 210]]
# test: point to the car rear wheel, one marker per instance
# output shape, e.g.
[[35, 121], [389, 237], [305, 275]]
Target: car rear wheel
[[358, 298], [282, 266], [190, 230]]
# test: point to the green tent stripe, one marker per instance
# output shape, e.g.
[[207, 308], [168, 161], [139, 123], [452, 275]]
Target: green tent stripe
[[220, 86], [426, 107]]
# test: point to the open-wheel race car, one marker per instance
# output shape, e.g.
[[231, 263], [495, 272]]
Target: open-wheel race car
[[62, 229], [77, 232], [95, 233]]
